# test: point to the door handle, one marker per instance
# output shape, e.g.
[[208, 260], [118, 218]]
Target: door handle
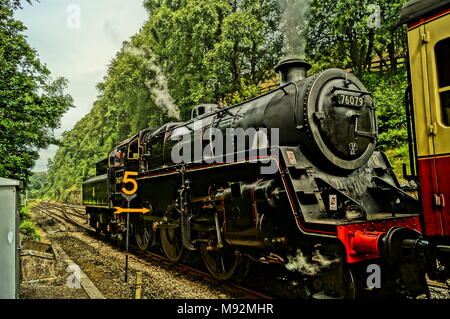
[[439, 201]]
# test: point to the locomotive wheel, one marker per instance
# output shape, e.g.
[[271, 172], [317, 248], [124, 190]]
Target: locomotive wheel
[[143, 235], [172, 243], [243, 271], [350, 284], [222, 263]]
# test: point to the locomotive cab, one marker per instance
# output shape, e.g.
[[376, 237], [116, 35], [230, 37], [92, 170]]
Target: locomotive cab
[[202, 109]]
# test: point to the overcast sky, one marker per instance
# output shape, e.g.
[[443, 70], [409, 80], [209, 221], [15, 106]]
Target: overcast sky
[[77, 39]]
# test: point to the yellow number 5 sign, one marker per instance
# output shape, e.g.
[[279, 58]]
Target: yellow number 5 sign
[[126, 180]]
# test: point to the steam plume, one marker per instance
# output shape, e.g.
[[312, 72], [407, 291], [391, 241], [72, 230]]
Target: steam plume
[[157, 86], [293, 23], [301, 264]]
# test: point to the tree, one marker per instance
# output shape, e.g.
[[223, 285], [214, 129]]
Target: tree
[[246, 52], [353, 32], [14, 4], [31, 104], [388, 92], [35, 184], [132, 96], [214, 51]]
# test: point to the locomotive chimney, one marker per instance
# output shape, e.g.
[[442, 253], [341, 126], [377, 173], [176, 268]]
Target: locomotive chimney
[[292, 70]]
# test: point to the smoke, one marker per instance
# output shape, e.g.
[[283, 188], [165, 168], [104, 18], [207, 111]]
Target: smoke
[[158, 86], [294, 20], [111, 27], [162, 96], [301, 264]]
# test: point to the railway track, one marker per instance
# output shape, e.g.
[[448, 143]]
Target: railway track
[[66, 217], [68, 209], [438, 284], [63, 217]]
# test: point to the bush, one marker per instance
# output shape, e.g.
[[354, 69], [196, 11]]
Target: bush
[[28, 229], [25, 213], [388, 91]]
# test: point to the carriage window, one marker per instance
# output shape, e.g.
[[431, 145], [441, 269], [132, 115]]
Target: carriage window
[[442, 50]]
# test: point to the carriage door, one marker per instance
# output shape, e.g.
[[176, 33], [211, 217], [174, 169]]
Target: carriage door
[[436, 193]]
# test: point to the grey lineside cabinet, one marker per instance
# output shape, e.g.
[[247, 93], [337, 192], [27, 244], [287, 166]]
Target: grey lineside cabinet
[[9, 237]]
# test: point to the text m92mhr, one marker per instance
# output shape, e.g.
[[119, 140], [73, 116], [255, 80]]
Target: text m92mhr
[[247, 308]]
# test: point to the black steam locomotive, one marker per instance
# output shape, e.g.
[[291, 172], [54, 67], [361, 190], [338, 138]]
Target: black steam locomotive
[[329, 198]]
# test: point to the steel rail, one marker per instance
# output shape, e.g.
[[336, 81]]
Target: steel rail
[[137, 255]]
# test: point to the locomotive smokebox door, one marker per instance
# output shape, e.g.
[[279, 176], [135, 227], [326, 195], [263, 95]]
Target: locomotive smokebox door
[[339, 118], [9, 257]]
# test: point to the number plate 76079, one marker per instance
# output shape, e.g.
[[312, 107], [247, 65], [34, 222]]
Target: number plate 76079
[[350, 100]]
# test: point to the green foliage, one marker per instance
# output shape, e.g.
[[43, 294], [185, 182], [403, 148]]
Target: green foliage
[[388, 89], [397, 157], [35, 184], [214, 51], [388, 92], [25, 212], [130, 98], [14, 4], [31, 104], [346, 32], [27, 227]]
